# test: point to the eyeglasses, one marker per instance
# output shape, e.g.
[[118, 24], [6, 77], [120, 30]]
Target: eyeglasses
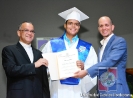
[[26, 31]]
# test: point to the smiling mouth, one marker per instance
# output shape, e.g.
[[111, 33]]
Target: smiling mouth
[[73, 30]]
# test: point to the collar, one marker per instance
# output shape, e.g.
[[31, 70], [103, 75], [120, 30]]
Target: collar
[[74, 39], [25, 45], [105, 41]]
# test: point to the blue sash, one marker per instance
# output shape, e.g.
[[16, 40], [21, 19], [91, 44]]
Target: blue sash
[[83, 47]]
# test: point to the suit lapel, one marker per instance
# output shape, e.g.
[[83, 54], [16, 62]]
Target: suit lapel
[[34, 54], [22, 51], [107, 46]]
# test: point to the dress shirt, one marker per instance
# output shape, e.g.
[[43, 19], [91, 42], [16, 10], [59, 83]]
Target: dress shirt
[[104, 43], [28, 49]]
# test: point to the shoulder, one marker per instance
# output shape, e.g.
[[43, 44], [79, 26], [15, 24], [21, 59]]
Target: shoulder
[[84, 42], [9, 47], [119, 39], [55, 39]]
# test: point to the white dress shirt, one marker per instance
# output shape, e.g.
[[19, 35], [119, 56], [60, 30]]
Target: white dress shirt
[[28, 49], [104, 43]]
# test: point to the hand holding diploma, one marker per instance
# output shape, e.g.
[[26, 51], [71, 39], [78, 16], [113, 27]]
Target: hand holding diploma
[[80, 74], [63, 64], [40, 62], [80, 64]]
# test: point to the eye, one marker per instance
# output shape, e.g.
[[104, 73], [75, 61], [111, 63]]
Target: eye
[[32, 31], [106, 25], [100, 26], [69, 23], [77, 24]]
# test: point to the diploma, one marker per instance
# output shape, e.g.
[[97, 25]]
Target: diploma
[[62, 64]]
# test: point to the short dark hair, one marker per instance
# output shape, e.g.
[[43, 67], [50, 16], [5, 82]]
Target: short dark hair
[[24, 22], [67, 21]]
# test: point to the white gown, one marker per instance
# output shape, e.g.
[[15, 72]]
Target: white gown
[[58, 90]]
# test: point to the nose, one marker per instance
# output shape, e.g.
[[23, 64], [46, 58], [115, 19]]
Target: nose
[[73, 25], [103, 27]]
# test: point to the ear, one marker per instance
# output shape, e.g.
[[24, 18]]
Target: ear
[[98, 28], [18, 32], [79, 26], [65, 25], [113, 27]]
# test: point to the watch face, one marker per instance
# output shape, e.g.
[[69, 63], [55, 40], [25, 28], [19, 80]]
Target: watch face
[[107, 79]]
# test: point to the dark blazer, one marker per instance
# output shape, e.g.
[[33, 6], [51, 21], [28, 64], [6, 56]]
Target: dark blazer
[[23, 79], [115, 55]]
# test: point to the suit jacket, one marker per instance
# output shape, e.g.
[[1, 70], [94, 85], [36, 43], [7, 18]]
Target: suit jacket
[[114, 55], [23, 79]]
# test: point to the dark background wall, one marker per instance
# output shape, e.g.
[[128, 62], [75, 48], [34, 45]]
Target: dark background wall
[[44, 15]]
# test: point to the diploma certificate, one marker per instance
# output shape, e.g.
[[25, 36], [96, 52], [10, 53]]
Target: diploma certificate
[[62, 64]]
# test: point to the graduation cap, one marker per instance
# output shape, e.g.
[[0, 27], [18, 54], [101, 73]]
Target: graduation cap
[[73, 13]]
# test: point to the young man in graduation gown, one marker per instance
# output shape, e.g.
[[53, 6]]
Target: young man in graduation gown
[[73, 87]]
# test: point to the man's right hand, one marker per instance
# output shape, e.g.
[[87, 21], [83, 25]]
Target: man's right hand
[[41, 62]]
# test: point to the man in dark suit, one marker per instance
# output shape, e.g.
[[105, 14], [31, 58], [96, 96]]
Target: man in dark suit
[[24, 67]]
